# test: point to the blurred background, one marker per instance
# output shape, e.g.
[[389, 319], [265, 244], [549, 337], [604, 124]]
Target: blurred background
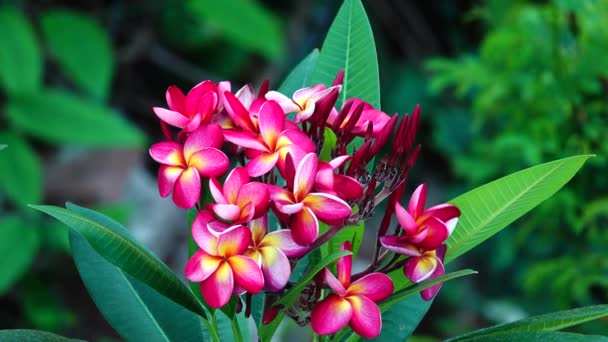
[[503, 85]]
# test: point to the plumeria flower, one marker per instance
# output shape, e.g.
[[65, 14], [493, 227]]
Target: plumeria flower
[[351, 303], [369, 114], [182, 166], [239, 200], [220, 265], [272, 251], [241, 108], [306, 207], [273, 142], [189, 111], [343, 186], [426, 265], [304, 100]]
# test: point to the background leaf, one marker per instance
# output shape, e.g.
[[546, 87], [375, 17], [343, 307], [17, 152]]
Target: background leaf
[[244, 22], [82, 48], [20, 58], [59, 117], [20, 171], [349, 45], [115, 244], [19, 335], [551, 321], [491, 207], [545, 336], [19, 243], [301, 75], [136, 311]]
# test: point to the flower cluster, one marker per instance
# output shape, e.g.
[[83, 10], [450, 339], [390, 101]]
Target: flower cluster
[[242, 160]]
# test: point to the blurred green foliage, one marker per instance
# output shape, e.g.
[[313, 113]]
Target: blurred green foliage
[[538, 90]]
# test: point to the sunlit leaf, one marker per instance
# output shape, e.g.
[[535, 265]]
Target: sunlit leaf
[[20, 58], [301, 75], [113, 242], [19, 335], [491, 207], [19, 243], [60, 117], [20, 171]]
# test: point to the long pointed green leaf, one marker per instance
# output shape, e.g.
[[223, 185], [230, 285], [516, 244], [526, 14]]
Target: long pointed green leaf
[[115, 244], [491, 207], [301, 75], [20, 171], [19, 335], [543, 336], [349, 45], [133, 309], [551, 321]]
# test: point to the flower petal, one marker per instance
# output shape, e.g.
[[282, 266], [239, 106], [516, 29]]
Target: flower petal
[[247, 273], [238, 113], [216, 191], [217, 288], [419, 269], [209, 135], [276, 268], [296, 137], [201, 265], [428, 294], [187, 189], [328, 208], [334, 283], [255, 193], [235, 180], [271, 121], [304, 227], [405, 219], [283, 240], [417, 202], [168, 153], [262, 164], [209, 162], [171, 117], [304, 179], [399, 245], [196, 93], [259, 228], [347, 187], [437, 233], [245, 139], [206, 106], [233, 241], [285, 102], [375, 286], [175, 99], [227, 212], [366, 320], [345, 264], [201, 234], [167, 175], [330, 315]]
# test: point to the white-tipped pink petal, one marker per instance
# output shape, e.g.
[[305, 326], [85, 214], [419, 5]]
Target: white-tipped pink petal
[[399, 245], [428, 294], [330, 315], [418, 269], [336, 285], [366, 320], [327, 208], [285, 102], [168, 153], [283, 240], [201, 234], [171, 117], [167, 176], [304, 227], [275, 267], [227, 212], [216, 191], [304, 179], [375, 286]]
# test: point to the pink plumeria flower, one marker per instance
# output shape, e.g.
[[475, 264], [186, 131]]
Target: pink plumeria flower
[[424, 229], [369, 115], [304, 100], [272, 251], [241, 108], [182, 166], [343, 186], [220, 265], [424, 266], [189, 111], [305, 207], [239, 200], [351, 303], [273, 142]]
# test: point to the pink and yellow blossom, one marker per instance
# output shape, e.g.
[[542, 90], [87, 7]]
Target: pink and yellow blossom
[[304, 100], [190, 111]]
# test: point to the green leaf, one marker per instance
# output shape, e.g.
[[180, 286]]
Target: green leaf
[[2, 147], [350, 46], [19, 335], [329, 143], [60, 117], [19, 243], [266, 332], [20, 58], [491, 207], [401, 295], [396, 325], [133, 309], [113, 242], [546, 322], [244, 22], [544, 336], [82, 48], [300, 76], [20, 171]]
